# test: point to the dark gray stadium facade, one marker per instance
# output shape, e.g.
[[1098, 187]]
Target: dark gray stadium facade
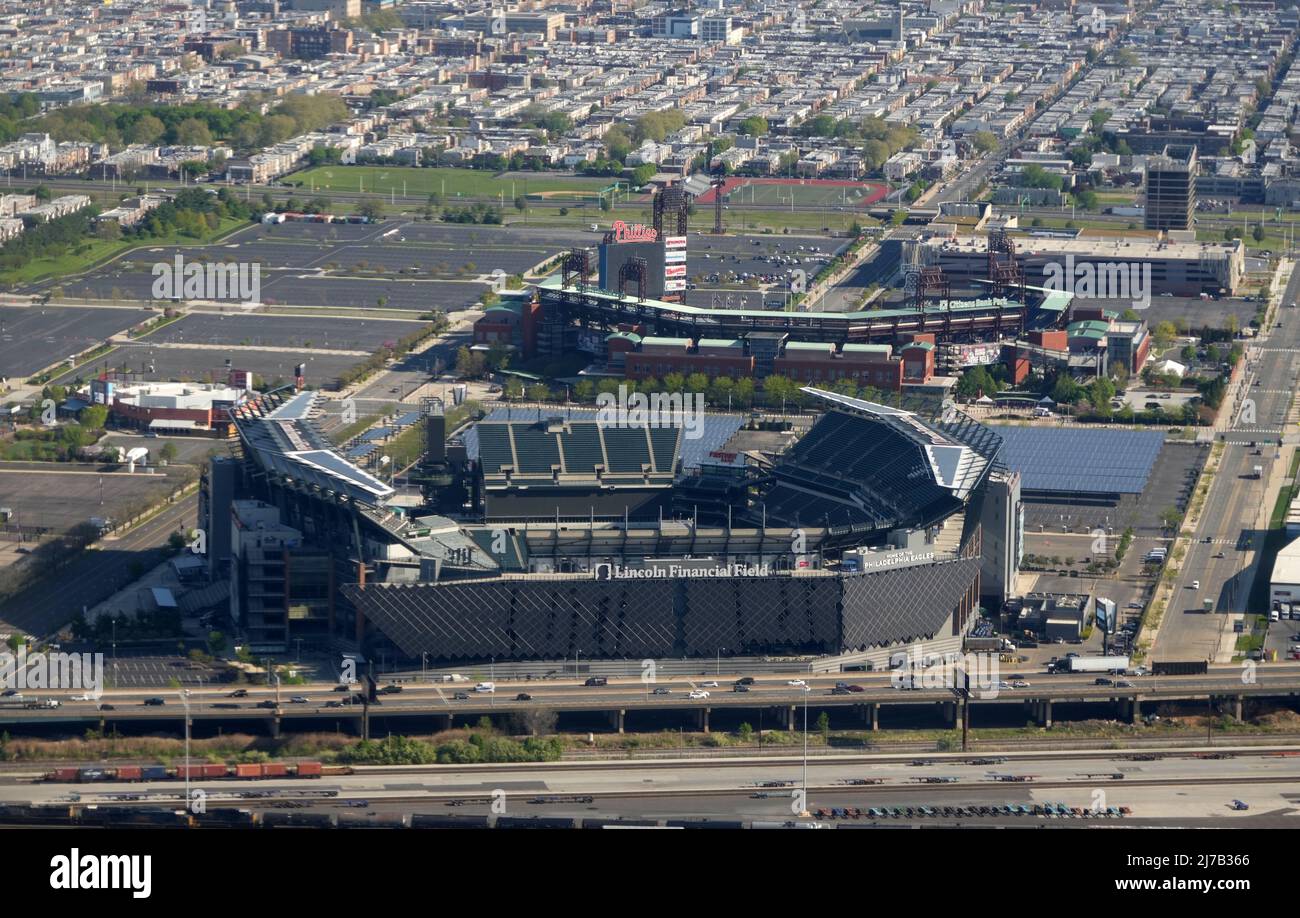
[[556, 617]]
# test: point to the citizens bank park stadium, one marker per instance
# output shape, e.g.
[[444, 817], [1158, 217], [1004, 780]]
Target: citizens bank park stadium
[[545, 534]]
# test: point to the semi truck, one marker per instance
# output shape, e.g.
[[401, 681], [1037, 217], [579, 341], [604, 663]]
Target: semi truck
[[1117, 665]]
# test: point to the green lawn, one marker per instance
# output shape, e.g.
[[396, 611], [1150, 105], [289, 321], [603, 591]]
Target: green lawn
[[450, 183], [95, 251]]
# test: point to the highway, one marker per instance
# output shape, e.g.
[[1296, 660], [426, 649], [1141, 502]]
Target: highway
[[323, 702], [1236, 512]]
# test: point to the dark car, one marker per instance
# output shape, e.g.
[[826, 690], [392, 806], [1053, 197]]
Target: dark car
[[462, 696], [154, 702], [225, 705], [1102, 680], [523, 696], [342, 688], [596, 680], [268, 703], [238, 693], [334, 704], [745, 680], [662, 691], [841, 690], [740, 688], [107, 707], [390, 690]]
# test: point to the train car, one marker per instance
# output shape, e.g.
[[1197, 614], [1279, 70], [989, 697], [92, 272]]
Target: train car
[[88, 775], [248, 771], [155, 773], [225, 818], [535, 822], [63, 775], [130, 773], [705, 824], [275, 770], [605, 822], [17, 814], [442, 821], [308, 770]]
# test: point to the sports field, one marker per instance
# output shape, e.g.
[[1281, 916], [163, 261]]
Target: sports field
[[450, 183], [804, 192]]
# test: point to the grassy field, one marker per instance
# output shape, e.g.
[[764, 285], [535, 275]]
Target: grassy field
[[450, 183], [97, 251], [803, 195]]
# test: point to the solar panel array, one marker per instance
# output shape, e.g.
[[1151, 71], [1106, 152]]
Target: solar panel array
[[1081, 460]]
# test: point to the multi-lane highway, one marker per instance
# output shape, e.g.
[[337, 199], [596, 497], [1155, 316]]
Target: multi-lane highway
[[677, 693], [1221, 565]]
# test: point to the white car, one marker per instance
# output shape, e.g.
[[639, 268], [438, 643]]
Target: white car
[[709, 684], [699, 694], [797, 683], [1019, 683], [1196, 584], [86, 697]]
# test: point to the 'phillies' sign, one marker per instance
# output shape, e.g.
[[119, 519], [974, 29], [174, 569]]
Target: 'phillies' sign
[[633, 232]]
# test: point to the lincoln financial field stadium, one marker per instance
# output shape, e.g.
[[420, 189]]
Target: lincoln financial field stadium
[[541, 535]]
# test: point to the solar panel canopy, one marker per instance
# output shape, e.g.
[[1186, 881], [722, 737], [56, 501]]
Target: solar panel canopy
[[1080, 460]]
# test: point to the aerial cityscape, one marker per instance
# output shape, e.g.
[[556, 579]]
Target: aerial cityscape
[[747, 414]]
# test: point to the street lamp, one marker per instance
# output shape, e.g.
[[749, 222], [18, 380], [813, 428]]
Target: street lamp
[[185, 700], [806, 690]]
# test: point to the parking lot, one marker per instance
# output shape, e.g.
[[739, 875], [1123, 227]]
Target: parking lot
[[208, 364], [409, 265], [1169, 485], [58, 498], [34, 337]]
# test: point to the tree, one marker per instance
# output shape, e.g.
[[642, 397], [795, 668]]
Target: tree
[[93, 417], [514, 389], [147, 130], [984, 141], [193, 133], [745, 733], [168, 452], [371, 209]]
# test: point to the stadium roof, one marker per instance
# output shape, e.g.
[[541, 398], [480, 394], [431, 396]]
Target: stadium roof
[[280, 434], [1079, 460], [1057, 299]]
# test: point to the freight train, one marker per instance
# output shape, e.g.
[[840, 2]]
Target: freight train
[[206, 772]]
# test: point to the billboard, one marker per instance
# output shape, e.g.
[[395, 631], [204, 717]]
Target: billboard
[[978, 354], [613, 255]]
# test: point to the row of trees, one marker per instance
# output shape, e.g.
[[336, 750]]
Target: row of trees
[[198, 123]]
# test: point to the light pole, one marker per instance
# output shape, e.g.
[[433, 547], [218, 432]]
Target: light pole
[[185, 700], [806, 690], [424, 662]]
